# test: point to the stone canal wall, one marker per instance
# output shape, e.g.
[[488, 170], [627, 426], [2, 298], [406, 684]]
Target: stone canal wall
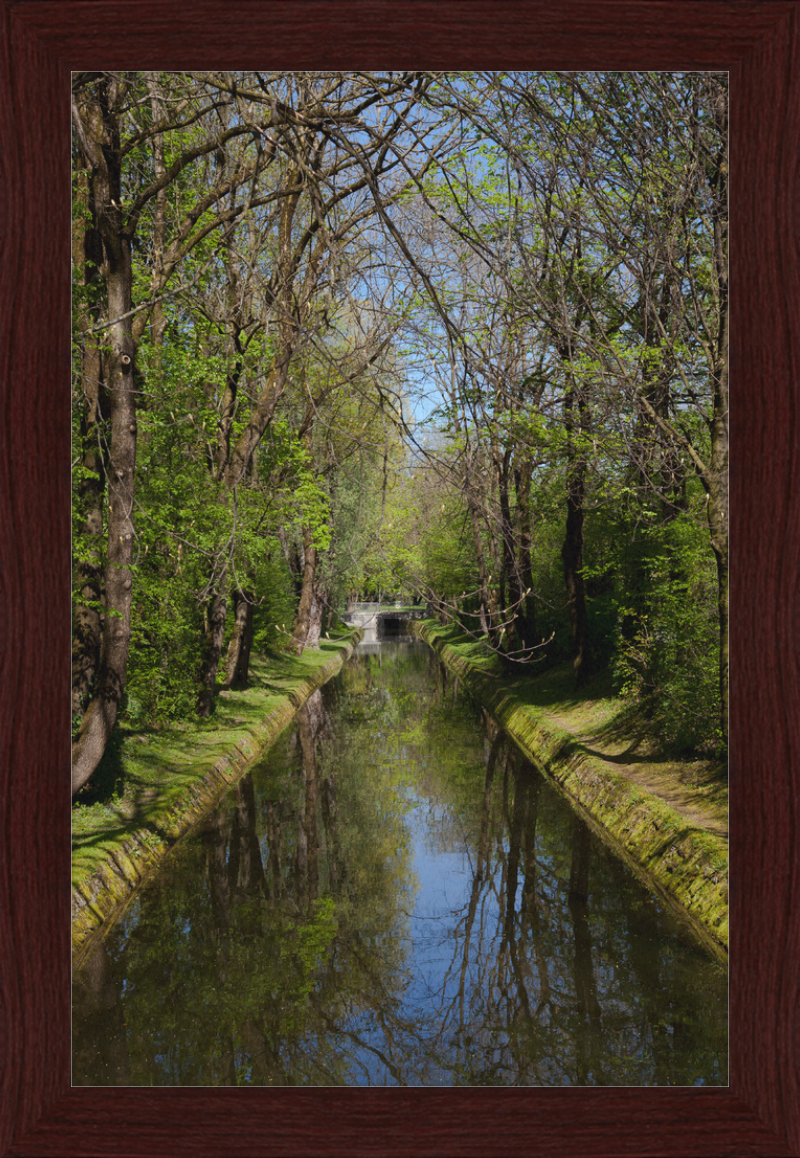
[[117, 847], [685, 864]]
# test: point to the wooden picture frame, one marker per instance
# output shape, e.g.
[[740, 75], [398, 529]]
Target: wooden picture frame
[[759, 44]]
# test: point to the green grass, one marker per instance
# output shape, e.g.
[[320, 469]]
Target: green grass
[[145, 773], [604, 721], [667, 817]]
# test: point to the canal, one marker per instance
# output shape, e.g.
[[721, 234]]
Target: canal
[[394, 896]]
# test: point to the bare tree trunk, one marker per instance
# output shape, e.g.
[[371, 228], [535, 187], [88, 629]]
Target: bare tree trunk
[[237, 664], [485, 610], [158, 319], [87, 629], [303, 621], [718, 482], [522, 485], [718, 514], [216, 610], [239, 457], [510, 572], [102, 140], [572, 549], [87, 625], [318, 604]]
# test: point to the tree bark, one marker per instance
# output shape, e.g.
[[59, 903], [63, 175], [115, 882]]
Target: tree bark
[[512, 614], [718, 508], [485, 609], [216, 610], [718, 482], [158, 319], [238, 459], [318, 603], [87, 630], [572, 549], [303, 620], [102, 136], [522, 485], [237, 664]]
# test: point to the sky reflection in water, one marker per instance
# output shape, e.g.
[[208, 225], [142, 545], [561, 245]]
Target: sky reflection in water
[[394, 896]]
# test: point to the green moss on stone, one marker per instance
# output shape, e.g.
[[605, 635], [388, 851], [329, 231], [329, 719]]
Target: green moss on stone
[[174, 778], [686, 865]]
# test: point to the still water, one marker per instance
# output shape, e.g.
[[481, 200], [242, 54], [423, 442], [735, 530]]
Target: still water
[[394, 896]]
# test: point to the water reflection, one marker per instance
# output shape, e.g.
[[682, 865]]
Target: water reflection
[[393, 896]]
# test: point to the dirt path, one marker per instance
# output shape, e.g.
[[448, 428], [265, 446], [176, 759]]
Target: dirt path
[[691, 788]]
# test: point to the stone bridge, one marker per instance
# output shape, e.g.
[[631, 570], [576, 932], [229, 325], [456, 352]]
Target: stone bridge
[[381, 622]]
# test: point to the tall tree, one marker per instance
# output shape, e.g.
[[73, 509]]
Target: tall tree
[[104, 106], [97, 117]]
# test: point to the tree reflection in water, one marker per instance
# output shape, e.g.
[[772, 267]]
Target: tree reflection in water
[[393, 896]]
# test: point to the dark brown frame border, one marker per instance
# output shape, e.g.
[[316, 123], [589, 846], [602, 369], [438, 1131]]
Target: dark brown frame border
[[42, 40]]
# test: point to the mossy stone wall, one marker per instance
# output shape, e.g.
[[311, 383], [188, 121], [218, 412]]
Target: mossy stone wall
[[125, 854], [686, 865]]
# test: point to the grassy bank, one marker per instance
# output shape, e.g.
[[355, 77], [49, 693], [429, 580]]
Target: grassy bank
[[666, 816], [152, 787]]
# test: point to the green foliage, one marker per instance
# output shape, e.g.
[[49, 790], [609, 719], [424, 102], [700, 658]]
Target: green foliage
[[567, 229], [667, 647], [165, 651], [305, 500]]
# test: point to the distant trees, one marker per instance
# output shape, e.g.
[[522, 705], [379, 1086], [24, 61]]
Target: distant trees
[[590, 212], [248, 186], [271, 271], [121, 175]]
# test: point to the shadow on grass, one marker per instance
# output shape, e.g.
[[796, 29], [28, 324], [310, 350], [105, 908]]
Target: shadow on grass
[[115, 823], [557, 686], [109, 832], [627, 757], [108, 778], [124, 763]]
